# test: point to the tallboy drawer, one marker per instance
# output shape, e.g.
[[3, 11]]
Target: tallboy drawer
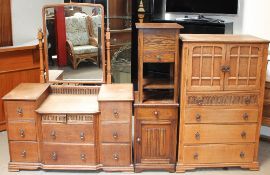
[[20, 110], [22, 131], [23, 151], [211, 115], [158, 57], [115, 132], [116, 111], [156, 113], [218, 153], [217, 133]]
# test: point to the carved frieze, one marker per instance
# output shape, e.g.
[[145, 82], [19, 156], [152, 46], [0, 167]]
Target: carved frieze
[[74, 118], [54, 118]]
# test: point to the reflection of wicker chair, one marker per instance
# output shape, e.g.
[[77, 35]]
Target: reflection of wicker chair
[[82, 39]]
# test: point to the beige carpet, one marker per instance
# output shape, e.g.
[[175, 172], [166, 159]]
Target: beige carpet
[[264, 160]]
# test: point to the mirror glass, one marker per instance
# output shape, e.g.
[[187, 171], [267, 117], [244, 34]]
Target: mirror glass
[[74, 42]]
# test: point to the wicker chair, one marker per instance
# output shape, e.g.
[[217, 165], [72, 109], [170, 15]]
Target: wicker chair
[[82, 39]]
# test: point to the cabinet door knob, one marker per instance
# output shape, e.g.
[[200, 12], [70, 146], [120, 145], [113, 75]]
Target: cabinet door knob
[[53, 134], [243, 135], [116, 157], [242, 155], [22, 133], [82, 136], [23, 153], [139, 140], [197, 136], [54, 156], [245, 116], [19, 111], [198, 117], [83, 157], [115, 135], [196, 156], [115, 113]]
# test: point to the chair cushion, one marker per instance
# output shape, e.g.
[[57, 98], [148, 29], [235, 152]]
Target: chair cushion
[[85, 49]]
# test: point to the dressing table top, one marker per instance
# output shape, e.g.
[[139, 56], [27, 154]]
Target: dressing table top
[[116, 92]]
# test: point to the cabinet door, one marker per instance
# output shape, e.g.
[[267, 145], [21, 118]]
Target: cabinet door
[[244, 61], [155, 141], [204, 67]]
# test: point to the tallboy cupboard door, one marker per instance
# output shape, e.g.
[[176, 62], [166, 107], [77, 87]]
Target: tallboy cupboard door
[[245, 63], [204, 67]]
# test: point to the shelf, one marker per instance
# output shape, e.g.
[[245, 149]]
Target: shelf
[[158, 96], [152, 83]]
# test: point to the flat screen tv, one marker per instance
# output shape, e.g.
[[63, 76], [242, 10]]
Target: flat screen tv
[[203, 6]]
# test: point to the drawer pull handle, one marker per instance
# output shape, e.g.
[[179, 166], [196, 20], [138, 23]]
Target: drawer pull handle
[[139, 140], [156, 113], [245, 116], [83, 157], [19, 111], [197, 136], [82, 136], [115, 135], [22, 133], [198, 117], [54, 156], [242, 155], [53, 135], [115, 113], [23, 153], [200, 102], [158, 57], [116, 157], [243, 135], [196, 156]]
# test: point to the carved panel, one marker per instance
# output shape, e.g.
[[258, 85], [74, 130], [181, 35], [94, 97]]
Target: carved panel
[[54, 118], [232, 99], [75, 118], [74, 90]]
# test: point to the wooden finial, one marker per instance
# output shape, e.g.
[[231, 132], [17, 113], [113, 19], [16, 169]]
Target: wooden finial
[[141, 12]]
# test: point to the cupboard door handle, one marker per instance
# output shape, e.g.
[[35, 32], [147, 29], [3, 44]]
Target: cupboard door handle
[[115, 113], [139, 140], [197, 136], [198, 117], [116, 157], [23, 153], [115, 135], [242, 155], [196, 156], [245, 116], [53, 135], [22, 133], [54, 156], [225, 68], [243, 135], [19, 111], [83, 157], [82, 136]]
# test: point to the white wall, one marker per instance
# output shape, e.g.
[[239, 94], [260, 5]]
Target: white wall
[[27, 19]]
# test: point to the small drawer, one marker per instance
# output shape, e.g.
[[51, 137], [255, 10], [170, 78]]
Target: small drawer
[[156, 113], [68, 133], [218, 153], [63, 154], [115, 132], [210, 115], [20, 110], [211, 133], [116, 111], [23, 151], [115, 154], [22, 131], [158, 57]]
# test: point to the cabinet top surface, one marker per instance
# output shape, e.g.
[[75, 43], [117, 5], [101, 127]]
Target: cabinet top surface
[[69, 104], [116, 92], [158, 26], [221, 38], [26, 91]]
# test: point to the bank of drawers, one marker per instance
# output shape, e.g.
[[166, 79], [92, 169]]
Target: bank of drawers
[[115, 134]]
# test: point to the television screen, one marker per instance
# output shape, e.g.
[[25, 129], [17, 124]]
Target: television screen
[[203, 6]]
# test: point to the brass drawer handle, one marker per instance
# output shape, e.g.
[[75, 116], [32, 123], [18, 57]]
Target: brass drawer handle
[[158, 57], [22, 133], [23, 153], [196, 156], [82, 136], [53, 135], [242, 155], [83, 157], [19, 111], [139, 140], [115, 113], [54, 156], [197, 136], [243, 135], [116, 157], [198, 117], [156, 113], [115, 135], [225, 68], [245, 116]]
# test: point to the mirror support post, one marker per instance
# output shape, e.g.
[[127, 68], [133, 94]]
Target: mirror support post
[[40, 44], [108, 50]]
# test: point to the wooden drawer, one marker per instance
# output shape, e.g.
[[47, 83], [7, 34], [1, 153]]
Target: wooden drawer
[[211, 133], [69, 154], [158, 57], [22, 131], [23, 151], [218, 153], [68, 133], [213, 115], [156, 113], [116, 111], [115, 132], [20, 110], [115, 154]]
